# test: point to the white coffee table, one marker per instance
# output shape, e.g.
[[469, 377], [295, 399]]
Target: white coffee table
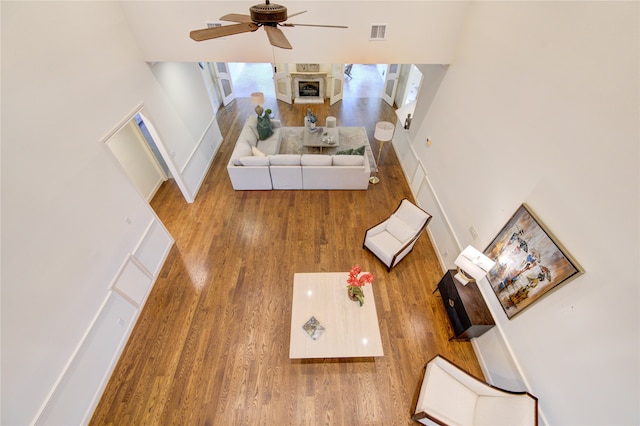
[[350, 331]]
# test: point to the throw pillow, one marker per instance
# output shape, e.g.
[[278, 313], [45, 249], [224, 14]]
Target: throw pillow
[[255, 151], [265, 129], [345, 152], [359, 151]]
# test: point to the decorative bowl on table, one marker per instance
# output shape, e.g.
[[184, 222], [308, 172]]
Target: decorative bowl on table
[[328, 139]]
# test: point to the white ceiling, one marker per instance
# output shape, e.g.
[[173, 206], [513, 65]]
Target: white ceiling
[[417, 31]]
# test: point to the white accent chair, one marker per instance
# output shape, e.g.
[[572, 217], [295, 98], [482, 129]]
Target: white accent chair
[[392, 239], [451, 396]]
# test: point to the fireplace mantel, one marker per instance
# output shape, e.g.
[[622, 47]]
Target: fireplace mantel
[[314, 74], [300, 77]]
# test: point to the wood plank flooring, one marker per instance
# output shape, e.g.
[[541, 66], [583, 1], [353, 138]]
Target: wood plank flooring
[[212, 342]]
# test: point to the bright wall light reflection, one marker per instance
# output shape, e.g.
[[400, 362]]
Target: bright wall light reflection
[[365, 340]]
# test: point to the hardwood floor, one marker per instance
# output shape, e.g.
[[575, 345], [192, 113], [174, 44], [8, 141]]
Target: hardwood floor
[[212, 342]]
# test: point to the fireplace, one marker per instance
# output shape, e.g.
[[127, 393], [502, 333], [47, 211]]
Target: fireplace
[[308, 89]]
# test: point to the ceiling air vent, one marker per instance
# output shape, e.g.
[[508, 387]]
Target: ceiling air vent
[[378, 31]]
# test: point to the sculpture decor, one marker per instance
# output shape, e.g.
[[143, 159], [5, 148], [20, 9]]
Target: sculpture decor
[[311, 118]]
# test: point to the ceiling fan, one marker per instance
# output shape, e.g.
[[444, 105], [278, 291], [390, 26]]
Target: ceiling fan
[[268, 15]]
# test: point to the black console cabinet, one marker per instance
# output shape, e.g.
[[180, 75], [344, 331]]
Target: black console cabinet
[[467, 311]]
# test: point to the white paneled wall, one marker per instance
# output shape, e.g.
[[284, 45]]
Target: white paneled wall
[[447, 247], [78, 389], [197, 165], [75, 396], [440, 231]]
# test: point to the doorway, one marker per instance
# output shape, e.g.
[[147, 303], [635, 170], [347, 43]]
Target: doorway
[[143, 159], [152, 145], [137, 160], [252, 77], [366, 81]]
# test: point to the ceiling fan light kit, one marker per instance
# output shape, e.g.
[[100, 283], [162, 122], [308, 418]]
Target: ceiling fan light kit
[[268, 15]]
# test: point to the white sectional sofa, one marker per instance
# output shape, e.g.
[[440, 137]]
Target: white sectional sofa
[[253, 174], [265, 169], [317, 171]]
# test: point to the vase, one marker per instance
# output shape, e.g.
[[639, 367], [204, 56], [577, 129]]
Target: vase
[[352, 295]]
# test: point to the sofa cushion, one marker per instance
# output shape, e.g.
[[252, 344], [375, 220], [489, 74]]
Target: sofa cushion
[[284, 160], [254, 161], [316, 160], [271, 145], [255, 151], [348, 160], [400, 230], [242, 149], [248, 135], [252, 124]]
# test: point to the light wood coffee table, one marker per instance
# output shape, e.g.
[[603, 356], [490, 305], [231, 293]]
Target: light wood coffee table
[[350, 330], [315, 139]]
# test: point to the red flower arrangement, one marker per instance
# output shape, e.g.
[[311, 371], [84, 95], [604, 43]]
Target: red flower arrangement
[[357, 280]]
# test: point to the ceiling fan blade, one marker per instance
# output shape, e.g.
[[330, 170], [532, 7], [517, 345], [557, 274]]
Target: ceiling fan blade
[[296, 14], [236, 17], [277, 38], [225, 30], [313, 25]]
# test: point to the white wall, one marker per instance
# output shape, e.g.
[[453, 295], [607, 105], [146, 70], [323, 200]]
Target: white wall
[[192, 150], [540, 105], [70, 216], [184, 86]]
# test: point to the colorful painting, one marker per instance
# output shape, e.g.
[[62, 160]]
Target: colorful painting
[[529, 262]]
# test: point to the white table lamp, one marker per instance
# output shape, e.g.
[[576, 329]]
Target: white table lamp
[[257, 98], [472, 265]]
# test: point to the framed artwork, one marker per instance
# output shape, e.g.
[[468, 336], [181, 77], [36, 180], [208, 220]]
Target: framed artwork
[[307, 67], [530, 262]]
